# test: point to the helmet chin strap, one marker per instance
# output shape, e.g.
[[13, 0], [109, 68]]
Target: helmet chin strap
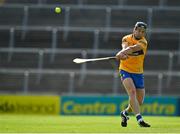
[[136, 37]]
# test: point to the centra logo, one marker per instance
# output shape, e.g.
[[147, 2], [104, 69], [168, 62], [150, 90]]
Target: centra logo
[[154, 108], [93, 108]]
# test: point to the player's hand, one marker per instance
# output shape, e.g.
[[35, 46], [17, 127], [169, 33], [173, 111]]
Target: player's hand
[[121, 56]]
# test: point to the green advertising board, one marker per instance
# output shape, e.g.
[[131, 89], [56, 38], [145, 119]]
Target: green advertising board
[[112, 105]]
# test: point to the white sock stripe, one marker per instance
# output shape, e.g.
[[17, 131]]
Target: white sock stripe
[[140, 120], [138, 114]]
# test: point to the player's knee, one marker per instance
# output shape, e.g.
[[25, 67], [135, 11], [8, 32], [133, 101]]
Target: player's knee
[[132, 93], [140, 102]]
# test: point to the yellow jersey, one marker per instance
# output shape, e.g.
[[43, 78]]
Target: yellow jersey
[[135, 62]]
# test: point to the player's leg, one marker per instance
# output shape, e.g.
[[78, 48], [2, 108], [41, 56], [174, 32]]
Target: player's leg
[[138, 80], [128, 109], [138, 83], [124, 113], [140, 97], [140, 93], [129, 85], [131, 90]]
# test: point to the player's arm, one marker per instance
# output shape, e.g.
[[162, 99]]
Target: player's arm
[[141, 45], [130, 49], [122, 56], [124, 45]]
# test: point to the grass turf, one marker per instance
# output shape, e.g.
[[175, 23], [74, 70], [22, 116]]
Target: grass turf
[[85, 124]]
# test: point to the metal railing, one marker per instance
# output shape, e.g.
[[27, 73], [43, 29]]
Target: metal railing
[[108, 10], [96, 32], [160, 3], [83, 71], [10, 50], [94, 51], [72, 73]]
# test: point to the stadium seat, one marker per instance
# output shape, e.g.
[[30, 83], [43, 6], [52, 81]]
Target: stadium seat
[[172, 3], [49, 83], [152, 60], [164, 41], [4, 37], [94, 84], [60, 2], [157, 40], [176, 62], [102, 65], [173, 87], [61, 61], [33, 38], [101, 2], [121, 17], [112, 40], [24, 2], [42, 16], [95, 2], [142, 2], [166, 18], [87, 17], [19, 60], [75, 39], [11, 16], [79, 34], [11, 83], [151, 84]]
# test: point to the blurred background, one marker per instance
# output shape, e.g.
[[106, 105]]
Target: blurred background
[[37, 45]]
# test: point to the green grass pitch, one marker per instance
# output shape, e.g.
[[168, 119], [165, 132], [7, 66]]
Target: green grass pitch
[[85, 124]]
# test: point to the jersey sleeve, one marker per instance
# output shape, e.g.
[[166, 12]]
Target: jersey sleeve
[[143, 43], [124, 39]]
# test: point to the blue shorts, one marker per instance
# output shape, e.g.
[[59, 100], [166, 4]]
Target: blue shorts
[[138, 79]]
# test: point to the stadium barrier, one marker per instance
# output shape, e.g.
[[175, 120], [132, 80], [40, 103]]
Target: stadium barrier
[[85, 105]]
